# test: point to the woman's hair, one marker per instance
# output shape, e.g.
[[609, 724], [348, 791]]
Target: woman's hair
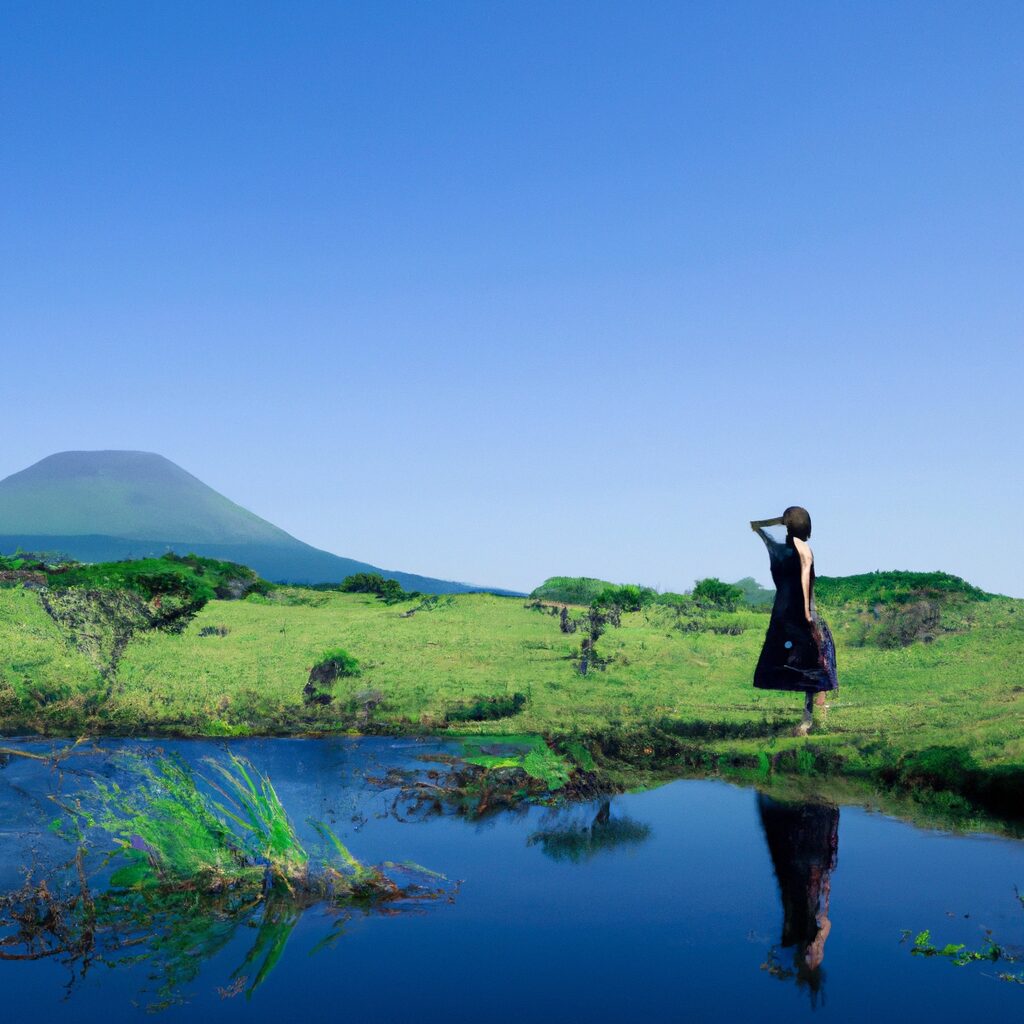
[[797, 522]]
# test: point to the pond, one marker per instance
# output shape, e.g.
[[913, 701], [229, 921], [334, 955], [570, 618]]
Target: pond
[[697, 900]]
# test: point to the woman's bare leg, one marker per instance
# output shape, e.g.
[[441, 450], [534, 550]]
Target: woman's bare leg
[[808, 720]]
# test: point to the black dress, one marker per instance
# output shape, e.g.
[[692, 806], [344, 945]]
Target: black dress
[[797, 654]]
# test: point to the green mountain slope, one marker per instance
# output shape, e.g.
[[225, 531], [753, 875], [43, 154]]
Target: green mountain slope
[[109, 505]]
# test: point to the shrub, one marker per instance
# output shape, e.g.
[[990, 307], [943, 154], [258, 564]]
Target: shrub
[[570, 589], [628, 598], [486, 709], [332, 666], [894, 588], [389, 591], [713, 593], [339, 661]]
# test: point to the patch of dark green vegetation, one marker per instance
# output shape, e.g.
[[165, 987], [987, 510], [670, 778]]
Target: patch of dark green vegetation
[[629, 597], [570, 589], [487, 709], [712, 593], [332, 665], [954, 774], [214, 631], [189, 578], [894, 588], [386, 590]]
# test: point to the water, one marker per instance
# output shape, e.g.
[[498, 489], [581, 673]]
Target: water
[[663, 905]]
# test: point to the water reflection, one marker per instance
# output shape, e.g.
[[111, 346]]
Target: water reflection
[[579, 841], [803, 840]]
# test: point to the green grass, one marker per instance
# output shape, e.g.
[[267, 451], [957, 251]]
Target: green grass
[[45, 681], [963, 691]]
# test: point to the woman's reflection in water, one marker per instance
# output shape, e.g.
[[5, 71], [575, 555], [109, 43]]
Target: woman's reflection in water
[[803, 840]]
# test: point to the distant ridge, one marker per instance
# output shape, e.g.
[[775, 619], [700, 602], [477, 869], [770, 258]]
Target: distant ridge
[[107, 505]]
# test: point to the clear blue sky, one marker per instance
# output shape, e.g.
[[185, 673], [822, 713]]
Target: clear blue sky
[[493, 291]]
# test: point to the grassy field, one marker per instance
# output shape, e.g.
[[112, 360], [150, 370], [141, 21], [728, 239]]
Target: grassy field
[[671, 691]]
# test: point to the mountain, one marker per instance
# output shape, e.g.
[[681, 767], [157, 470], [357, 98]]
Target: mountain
[[109, 505]]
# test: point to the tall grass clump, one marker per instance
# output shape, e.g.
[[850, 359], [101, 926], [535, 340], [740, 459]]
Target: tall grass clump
[[175, 829], [198, 859]]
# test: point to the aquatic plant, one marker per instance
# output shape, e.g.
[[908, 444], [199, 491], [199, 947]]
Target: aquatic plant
[[194, 860], [958, 954]]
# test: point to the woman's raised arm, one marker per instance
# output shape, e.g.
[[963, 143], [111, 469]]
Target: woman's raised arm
[[758, 525]]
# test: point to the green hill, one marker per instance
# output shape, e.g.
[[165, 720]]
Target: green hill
[[109, 505]]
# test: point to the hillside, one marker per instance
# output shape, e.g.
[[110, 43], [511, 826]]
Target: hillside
[[110, 505]]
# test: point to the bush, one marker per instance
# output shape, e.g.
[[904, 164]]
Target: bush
[[872, 588], [570, 589], [628, 598], [332, 666], [486, 709], [713, 593], [338, 661], [389, 591], [189, 578]]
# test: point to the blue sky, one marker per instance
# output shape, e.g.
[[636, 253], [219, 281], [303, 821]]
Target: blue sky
[[494, 291]]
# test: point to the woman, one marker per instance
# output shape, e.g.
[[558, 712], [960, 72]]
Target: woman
[[798, 652]]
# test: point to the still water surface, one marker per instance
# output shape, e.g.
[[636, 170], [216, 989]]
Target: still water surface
[[696, 901]]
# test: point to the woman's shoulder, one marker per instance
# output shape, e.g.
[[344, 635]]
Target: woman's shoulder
[[803, 549]]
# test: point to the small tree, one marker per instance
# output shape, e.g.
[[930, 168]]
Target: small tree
[[713, 593]]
